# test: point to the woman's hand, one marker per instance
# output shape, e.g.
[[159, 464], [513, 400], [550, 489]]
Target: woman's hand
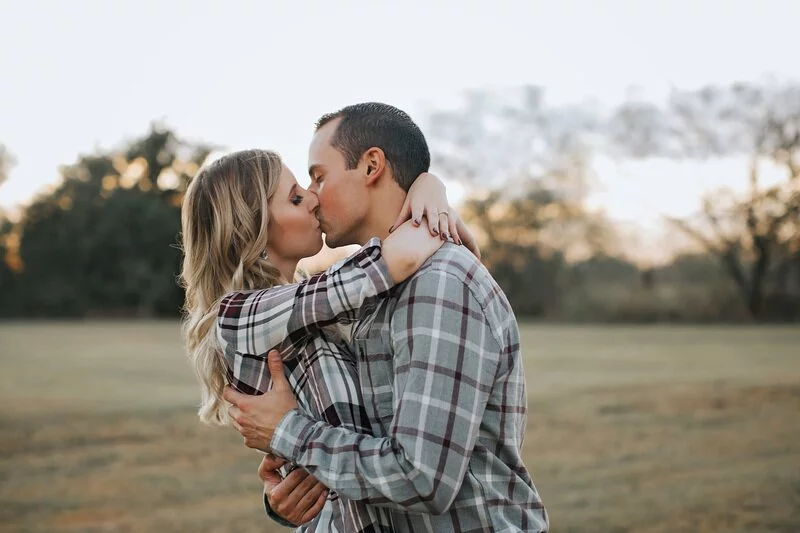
[[427, 198], [407, 247], [468, 239]]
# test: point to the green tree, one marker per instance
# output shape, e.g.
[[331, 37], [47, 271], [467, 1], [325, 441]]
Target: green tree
[[104, 240], [8, 242]]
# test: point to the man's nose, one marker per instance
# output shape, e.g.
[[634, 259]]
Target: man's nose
[[313, 201]]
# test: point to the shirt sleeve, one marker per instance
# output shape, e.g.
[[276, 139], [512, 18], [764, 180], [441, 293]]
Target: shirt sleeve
[[251, 323], [445, 363]]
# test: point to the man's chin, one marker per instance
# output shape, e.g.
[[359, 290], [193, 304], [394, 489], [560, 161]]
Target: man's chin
[[331, 241]]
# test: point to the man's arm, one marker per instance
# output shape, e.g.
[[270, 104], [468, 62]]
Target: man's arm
[[445, 360]]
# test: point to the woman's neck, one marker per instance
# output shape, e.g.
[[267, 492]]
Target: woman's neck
[[287, 267]]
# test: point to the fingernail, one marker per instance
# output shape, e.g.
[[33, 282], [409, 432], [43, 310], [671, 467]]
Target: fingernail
[[391, 229], [435, 231], [459, 242], [416, 222], [445, 236]]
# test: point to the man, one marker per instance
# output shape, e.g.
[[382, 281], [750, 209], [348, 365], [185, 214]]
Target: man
[[439, 359]]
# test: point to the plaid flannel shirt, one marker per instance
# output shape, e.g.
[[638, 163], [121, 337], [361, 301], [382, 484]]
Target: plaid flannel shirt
[[299, 320], [442, 380]]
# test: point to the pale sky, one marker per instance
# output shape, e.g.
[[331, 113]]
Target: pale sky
[[85, 74]]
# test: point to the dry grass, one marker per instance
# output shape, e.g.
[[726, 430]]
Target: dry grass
[[650, 430]]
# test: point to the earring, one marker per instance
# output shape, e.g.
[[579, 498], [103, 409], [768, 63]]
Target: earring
[[264, 255]]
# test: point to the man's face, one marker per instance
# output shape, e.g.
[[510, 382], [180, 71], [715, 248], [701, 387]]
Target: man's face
[[341, 192]]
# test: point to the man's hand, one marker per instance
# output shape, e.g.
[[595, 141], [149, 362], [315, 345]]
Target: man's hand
[[256, 417], [298, 498], [269, 472]]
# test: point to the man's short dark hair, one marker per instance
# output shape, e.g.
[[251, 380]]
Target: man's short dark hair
[[373, 124]]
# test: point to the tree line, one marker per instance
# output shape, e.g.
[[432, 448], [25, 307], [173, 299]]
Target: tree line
[[105, 241]]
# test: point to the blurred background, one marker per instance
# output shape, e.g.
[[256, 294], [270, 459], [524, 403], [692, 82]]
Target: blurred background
[[632, 170]]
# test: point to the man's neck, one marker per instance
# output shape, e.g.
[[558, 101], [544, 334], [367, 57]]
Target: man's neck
[[384, 208]]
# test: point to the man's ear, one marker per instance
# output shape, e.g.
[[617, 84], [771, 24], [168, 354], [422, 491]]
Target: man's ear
[[374, 161]]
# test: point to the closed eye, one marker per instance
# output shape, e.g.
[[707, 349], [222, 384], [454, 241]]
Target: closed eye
[[297, 199]]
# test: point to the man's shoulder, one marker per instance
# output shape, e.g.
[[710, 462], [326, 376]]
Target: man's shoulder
[[458, 263], [460, 269], [452, 257]]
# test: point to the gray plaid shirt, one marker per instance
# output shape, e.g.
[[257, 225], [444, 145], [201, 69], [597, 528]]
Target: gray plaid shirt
[[441, 377]]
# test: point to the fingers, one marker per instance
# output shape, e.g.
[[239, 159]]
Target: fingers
[[468, 238], [452, 223], [310, 499], [296, 495], [290, 483], [232, 396], [316, 508], [405, 214], [268, 472], [271, 480], [417, 212], [269, 466], [271, 461], [236, 415], [275, 363], [444, 225], [433, 221]]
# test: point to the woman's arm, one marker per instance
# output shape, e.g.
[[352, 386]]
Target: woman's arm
[[285, 316], [250, 323]]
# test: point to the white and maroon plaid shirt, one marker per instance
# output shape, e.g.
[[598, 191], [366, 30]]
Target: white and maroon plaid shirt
[[301, 320]]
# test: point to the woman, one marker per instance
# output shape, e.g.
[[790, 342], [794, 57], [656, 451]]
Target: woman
[[246, 223]]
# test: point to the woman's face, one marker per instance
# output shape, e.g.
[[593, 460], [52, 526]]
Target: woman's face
[[294, 231]]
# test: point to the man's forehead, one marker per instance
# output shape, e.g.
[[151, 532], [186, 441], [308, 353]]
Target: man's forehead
[[321, 143], [322, 137]]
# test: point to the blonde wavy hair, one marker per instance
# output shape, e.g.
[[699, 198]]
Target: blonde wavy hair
[[224, 221]]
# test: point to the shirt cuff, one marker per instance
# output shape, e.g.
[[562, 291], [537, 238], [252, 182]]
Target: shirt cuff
[[289, 438]]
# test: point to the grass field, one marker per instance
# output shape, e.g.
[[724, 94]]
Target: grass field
[[646, 429]]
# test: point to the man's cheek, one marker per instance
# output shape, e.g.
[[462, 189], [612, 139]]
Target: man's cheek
[[329, 204], [322, 197]]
